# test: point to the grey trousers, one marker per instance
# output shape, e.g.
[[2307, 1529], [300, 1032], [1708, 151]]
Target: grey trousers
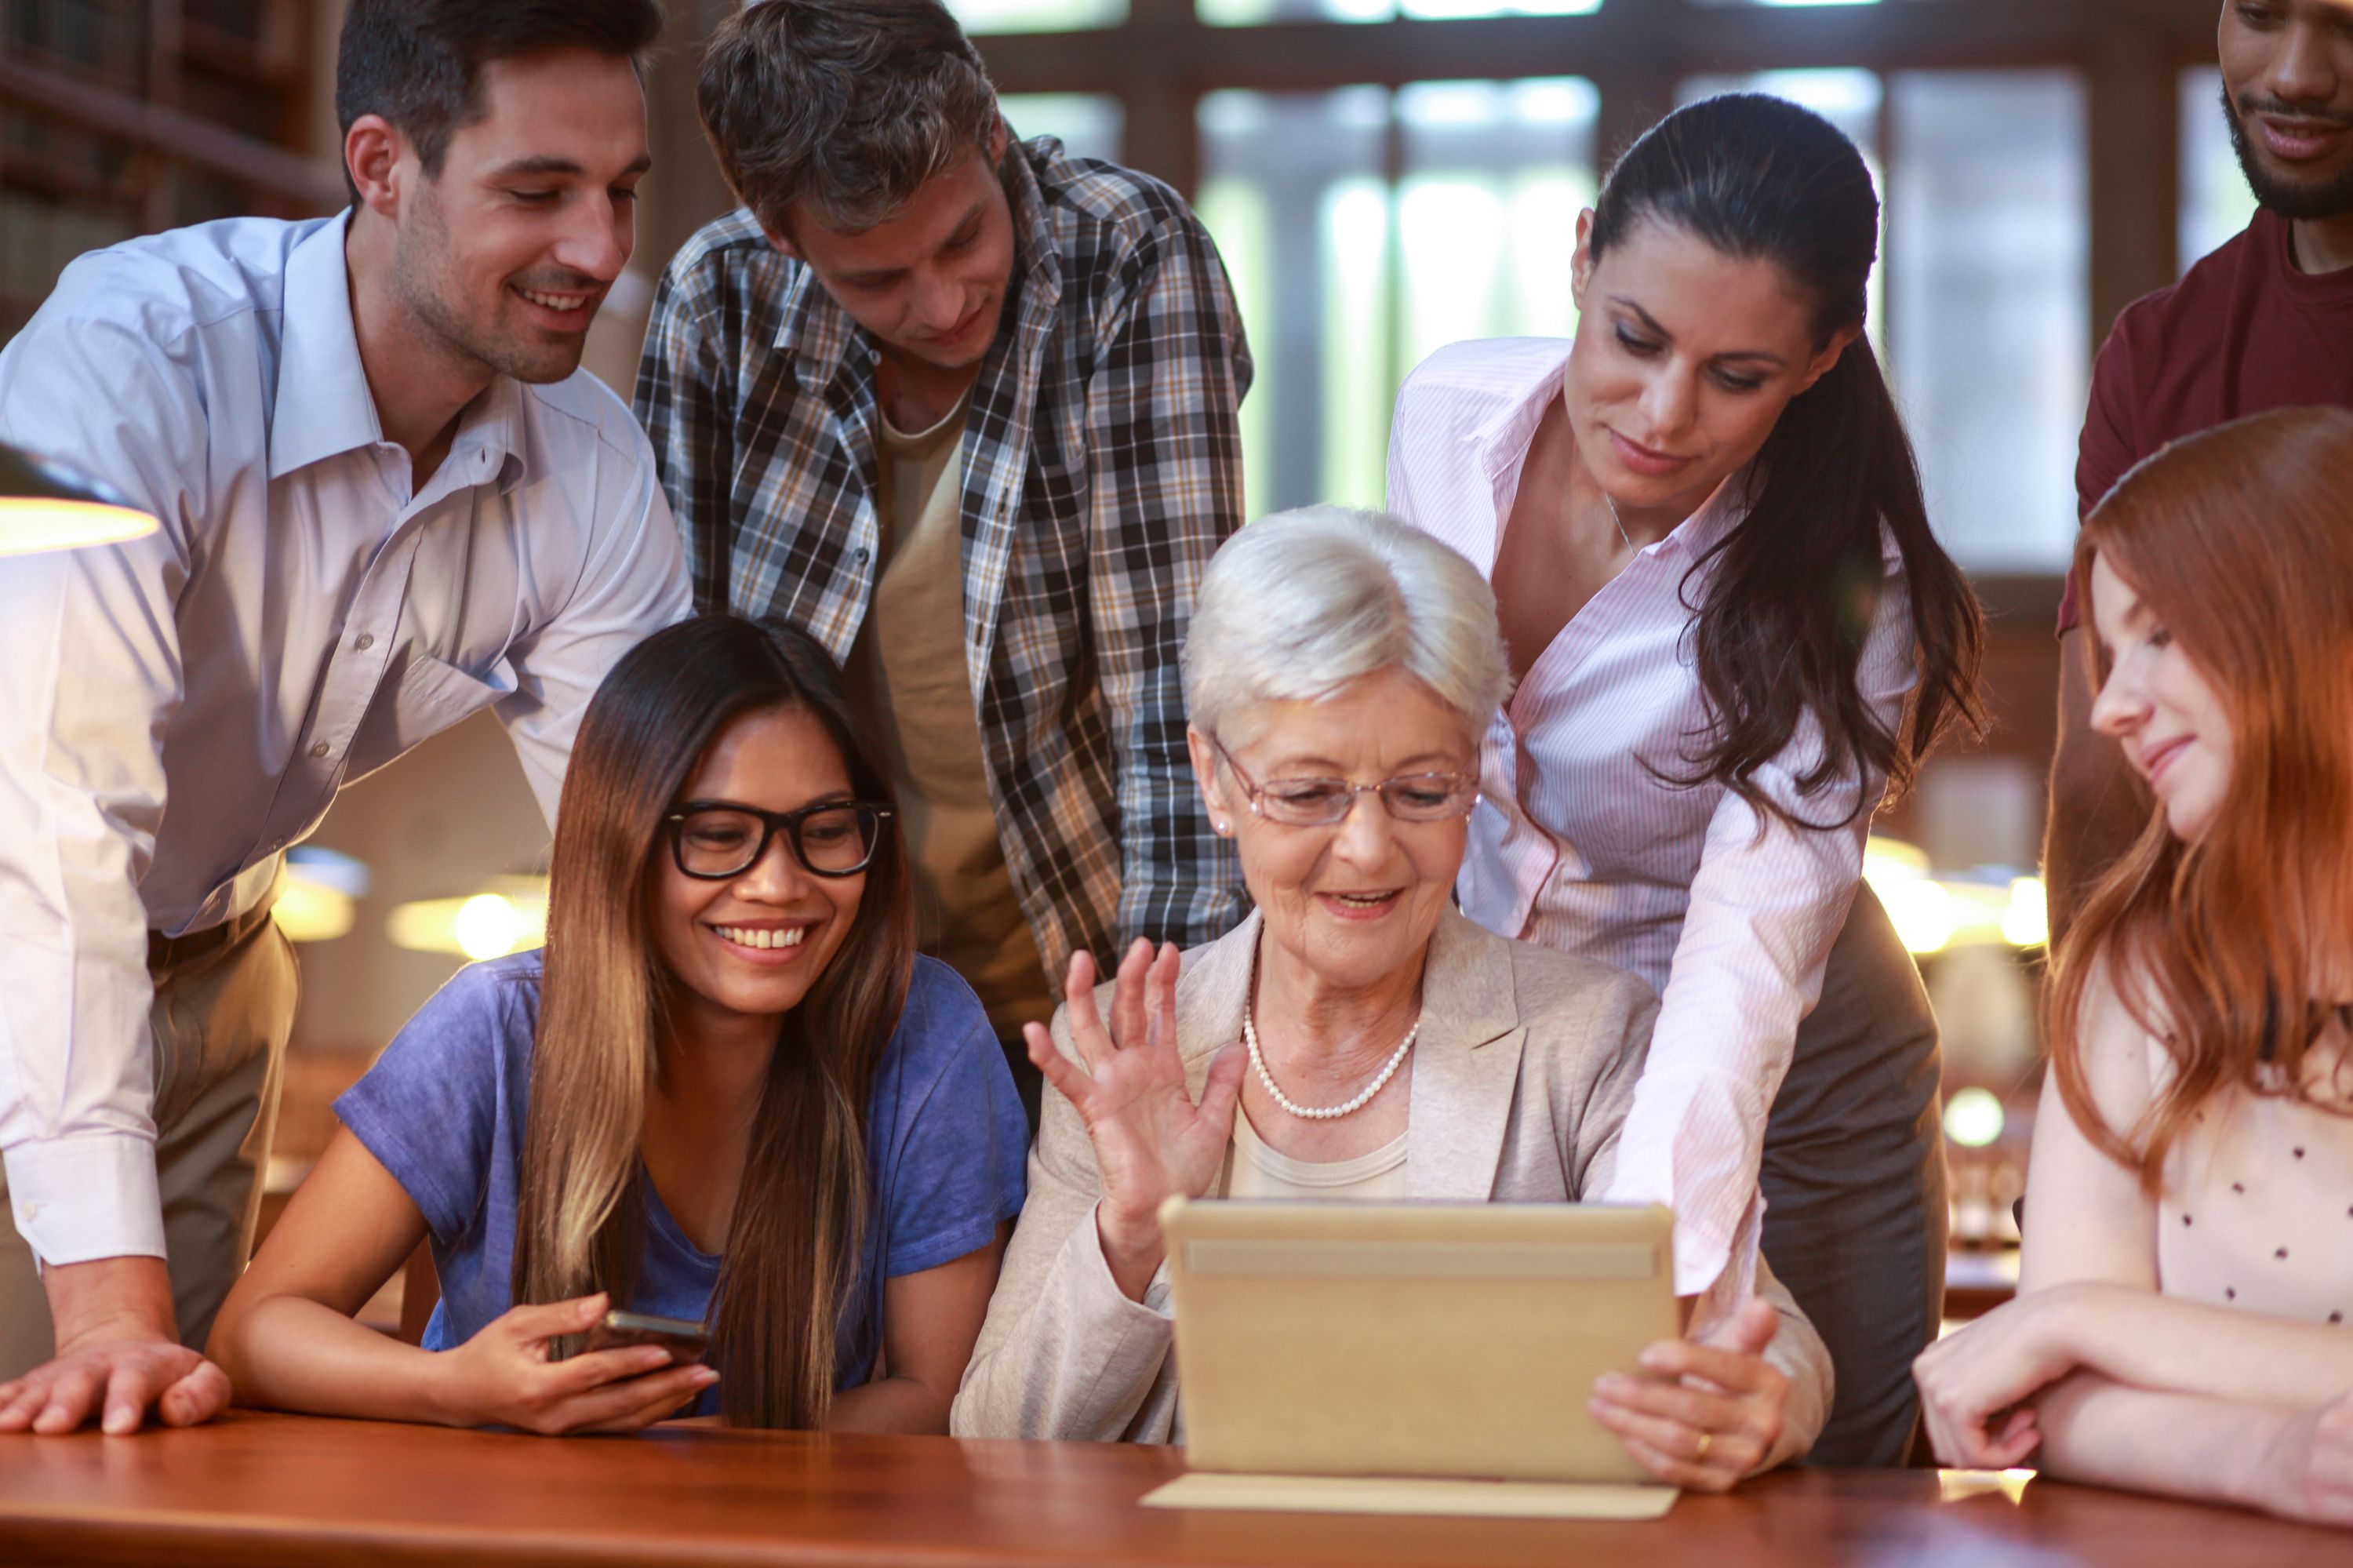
[[220, 1025], [1854, 1185]]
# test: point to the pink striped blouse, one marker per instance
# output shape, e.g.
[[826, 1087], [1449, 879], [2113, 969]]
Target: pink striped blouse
[[1576, 845]]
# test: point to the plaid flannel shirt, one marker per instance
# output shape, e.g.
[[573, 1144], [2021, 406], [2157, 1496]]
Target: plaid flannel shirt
[[1101, 469]]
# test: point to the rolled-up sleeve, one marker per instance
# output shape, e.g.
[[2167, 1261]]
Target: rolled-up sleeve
[[92, 657], [1766, 907]]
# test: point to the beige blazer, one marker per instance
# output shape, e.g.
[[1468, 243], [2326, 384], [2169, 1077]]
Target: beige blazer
[[1522, 1077]]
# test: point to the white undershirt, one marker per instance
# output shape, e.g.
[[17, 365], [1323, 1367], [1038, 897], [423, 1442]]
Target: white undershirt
[[1254, 1170]]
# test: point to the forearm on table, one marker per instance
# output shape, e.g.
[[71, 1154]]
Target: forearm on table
[[2159, 1342], [891, 1405], [2184, 1445], [290, 1352]]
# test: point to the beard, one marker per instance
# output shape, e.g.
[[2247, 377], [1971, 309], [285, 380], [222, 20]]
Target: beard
[[431, 284], [2298, 201]]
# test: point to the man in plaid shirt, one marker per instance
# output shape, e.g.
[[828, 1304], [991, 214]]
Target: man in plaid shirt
[[963, 407]]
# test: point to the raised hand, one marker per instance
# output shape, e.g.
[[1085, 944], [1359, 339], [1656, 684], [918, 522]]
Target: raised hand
[[503, 1376], [1151, 1140], [1702, 1413]]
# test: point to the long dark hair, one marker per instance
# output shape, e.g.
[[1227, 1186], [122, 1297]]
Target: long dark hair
[[1791, 592], [793, 1247]]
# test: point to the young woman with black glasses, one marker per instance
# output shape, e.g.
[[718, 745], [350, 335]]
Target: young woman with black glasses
[[727, 1090]]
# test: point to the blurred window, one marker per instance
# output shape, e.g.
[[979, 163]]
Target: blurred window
[[1037, 15], [1250, 12], [2215, 201], [1990, 318], [1348, 274], [1089, 124]]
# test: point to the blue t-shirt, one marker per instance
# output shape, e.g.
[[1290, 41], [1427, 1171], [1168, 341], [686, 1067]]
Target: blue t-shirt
[[444, 1110]]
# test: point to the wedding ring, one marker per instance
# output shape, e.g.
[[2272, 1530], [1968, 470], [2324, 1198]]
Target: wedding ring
[[1705, 1438]]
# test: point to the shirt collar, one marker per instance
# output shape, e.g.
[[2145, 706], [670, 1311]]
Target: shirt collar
[[1500, 439], [489, 445], [323, 407], [322, 404], [1501, 443], [817, 333]]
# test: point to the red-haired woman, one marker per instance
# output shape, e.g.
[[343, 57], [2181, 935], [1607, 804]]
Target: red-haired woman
[[2180, 1325]]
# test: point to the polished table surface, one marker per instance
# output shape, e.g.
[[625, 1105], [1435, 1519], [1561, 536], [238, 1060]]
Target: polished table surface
[[291, 1489]]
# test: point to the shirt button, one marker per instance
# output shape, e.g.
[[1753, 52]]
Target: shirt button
[[858, 557], [29, 1210], [319, 748], [366, 642]]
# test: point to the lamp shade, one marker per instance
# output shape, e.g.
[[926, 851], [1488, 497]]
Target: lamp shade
[[45, 505]]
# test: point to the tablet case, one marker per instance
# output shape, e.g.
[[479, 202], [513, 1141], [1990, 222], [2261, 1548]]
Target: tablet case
[[1455, 1341]]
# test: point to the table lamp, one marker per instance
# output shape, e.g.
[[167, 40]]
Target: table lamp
[[45, 505]]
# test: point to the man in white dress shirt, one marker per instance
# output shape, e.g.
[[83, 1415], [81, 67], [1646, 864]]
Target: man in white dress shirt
[[389, 498]]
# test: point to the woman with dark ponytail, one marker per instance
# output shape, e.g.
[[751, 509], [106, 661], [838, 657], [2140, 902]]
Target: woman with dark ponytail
[[1731, 631]]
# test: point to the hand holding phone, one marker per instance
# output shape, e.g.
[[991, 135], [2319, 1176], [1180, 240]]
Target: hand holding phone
[[502, 1376], [684, 1340]]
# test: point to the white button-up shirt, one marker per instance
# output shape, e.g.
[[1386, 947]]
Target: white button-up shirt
[[1579, 845], [178, 710]]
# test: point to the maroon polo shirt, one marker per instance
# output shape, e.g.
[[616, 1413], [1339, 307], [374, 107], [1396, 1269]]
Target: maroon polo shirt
[[2242, 332]]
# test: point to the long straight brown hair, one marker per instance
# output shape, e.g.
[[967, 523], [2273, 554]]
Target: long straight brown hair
[[2239, 541], [794, 1247]]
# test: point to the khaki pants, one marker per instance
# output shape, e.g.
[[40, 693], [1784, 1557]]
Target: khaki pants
[[220, 1025]]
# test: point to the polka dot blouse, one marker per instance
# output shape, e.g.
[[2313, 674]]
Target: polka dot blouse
[[2257, 1210]]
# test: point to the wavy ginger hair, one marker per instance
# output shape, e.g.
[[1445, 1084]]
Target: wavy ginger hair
[[2239, 541]]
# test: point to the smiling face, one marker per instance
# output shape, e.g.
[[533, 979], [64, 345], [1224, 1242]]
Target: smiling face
[[928, 282], [1684, 359], [2159, 706], [2287, 88], [751, 946], [506, 254], [1357, 901]]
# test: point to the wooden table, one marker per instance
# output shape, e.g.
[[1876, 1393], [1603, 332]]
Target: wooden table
[[288, 1489]]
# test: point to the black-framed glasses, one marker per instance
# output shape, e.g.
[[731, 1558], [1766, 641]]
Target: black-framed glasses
[[714, 839], [1321, 802]]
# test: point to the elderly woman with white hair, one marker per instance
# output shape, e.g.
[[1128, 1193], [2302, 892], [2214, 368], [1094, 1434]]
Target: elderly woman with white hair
[[1355, 1037]]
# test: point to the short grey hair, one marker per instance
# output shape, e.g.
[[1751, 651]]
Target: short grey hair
[[1300, 603], [847, 105]]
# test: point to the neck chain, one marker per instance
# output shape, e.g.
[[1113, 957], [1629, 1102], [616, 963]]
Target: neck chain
[[1322, 1113], [1611, 501]]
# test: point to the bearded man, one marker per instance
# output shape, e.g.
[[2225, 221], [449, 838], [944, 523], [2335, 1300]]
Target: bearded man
[[2265, 322]]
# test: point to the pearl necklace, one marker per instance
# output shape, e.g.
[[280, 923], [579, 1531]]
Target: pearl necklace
[[1323, 1113]]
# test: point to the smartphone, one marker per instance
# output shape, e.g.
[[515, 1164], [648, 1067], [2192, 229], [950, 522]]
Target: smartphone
[[683, 1339]]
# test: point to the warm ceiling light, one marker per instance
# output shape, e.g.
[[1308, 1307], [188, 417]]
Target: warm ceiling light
[[506, 917], [45, 505]]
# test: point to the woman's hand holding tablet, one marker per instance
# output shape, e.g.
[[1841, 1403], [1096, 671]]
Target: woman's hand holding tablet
[[1703, 1413]]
